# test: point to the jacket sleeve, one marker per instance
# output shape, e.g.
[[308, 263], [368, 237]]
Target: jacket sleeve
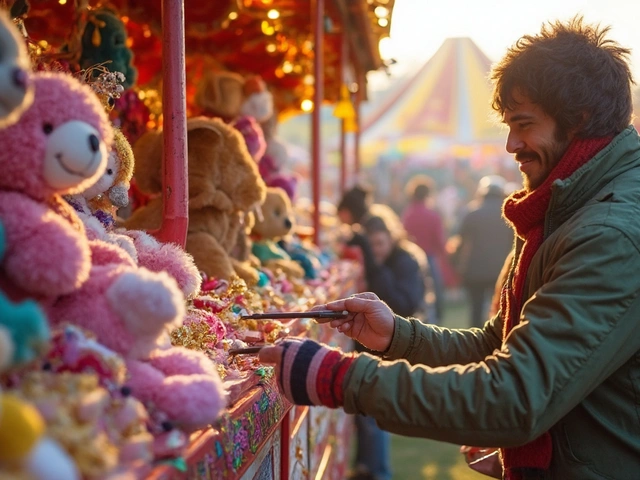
[[575, 332], [401, 287], [421, 343]]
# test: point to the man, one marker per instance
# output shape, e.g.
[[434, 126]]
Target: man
[[554, 378]]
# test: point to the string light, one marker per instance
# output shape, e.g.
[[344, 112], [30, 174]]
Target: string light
[[233, 15], [267, 28], [273, 14], [306, 105], [383, 22], [381, 12]]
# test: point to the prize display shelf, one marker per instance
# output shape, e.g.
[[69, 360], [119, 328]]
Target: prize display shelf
[[261, 436]]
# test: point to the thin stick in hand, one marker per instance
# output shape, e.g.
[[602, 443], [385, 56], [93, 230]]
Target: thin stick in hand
[[321, 314]]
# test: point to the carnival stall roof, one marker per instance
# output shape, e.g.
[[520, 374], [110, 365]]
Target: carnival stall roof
[[271, 38], [444, 110]]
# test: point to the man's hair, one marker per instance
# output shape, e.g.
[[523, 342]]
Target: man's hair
[[419, 187], [577, 76]]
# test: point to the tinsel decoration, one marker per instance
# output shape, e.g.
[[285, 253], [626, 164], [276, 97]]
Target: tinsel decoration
[[107, 85], [195, 336]]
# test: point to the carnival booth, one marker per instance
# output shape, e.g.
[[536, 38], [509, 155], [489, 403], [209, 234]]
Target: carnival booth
[[145, 211]]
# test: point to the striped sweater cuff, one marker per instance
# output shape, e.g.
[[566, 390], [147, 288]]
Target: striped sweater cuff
[[313, 374]]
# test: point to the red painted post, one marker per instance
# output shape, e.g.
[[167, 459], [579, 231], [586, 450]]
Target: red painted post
[[343, 133], [358, 102], [318, 96], [174, 111]]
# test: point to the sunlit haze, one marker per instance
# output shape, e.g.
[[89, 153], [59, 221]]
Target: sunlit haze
[[419, 27]]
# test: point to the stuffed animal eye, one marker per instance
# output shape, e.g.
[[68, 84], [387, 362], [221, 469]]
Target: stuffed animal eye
[[111, 102], [47, 128], [109, 171], [277, 212]]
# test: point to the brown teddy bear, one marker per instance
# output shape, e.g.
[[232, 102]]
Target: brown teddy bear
[[276, 222], [220, 94], [224, 184]]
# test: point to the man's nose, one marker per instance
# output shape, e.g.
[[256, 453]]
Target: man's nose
[[514, 143]]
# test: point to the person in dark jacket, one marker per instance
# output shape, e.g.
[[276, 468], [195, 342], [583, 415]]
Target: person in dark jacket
[[485, 241], [394, 267]]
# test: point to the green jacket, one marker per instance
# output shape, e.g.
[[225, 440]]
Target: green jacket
[[572, 364]]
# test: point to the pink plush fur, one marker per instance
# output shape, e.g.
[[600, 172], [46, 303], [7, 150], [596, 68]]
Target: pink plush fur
[[167, 257], [45, 252], [58, 147]]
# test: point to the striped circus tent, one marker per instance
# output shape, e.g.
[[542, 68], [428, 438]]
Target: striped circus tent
[[442, 112]]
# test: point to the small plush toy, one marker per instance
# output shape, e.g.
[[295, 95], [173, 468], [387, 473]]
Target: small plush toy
[[224, 185], [96, 207], [258, 101], [228, 96], [16, 92], [220, 94], [276, 222], [104, 40]]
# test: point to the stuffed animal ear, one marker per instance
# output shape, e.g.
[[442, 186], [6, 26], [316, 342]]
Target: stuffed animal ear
[[220, 94], [147, 152], [16, 90]]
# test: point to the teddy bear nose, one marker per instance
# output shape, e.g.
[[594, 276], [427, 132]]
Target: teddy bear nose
[[287, 223], [19, 77], [94, 143]]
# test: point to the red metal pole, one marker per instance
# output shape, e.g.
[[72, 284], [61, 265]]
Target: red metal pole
[[358, 103], [318, 96], [174, 110], [343, 132], [343, 156]]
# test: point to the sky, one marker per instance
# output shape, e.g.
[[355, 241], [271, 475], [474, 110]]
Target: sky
[[419, 27]]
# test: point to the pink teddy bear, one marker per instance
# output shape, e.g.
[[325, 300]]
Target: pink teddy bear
[[59, 146]]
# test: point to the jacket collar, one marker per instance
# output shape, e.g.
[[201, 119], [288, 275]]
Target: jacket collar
[[572, 193]]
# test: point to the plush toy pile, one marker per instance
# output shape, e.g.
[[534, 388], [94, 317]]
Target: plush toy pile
[[113, 345]]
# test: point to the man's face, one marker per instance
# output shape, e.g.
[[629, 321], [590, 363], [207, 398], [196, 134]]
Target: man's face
[[533, 138]]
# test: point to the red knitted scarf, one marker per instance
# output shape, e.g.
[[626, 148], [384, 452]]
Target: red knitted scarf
[[525, 211]]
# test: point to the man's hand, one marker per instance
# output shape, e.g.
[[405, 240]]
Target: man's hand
[[370, 321]]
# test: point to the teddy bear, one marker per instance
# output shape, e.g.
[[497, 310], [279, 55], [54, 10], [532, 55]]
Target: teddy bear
[[275, 223], [16, 92], [224, 184], [59, 146], [241, 103], [96, 207]]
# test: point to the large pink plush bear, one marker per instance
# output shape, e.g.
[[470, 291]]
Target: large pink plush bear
[[59, 146]]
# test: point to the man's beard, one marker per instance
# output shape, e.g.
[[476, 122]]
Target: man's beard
[[552, 153]]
